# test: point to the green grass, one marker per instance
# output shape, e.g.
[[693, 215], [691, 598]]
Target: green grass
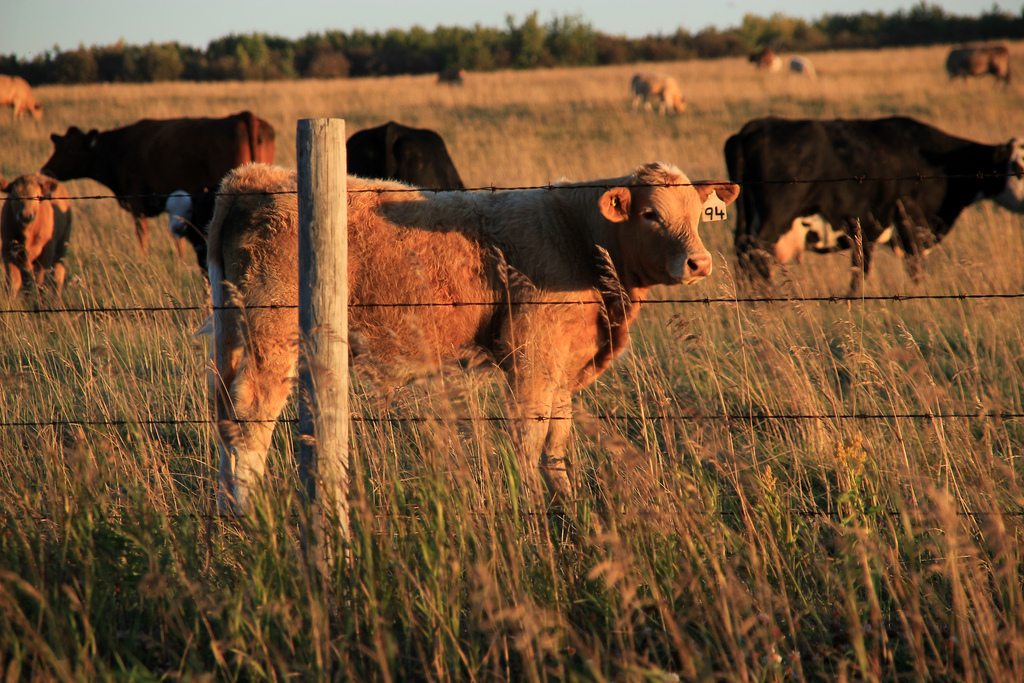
[[748, 549]]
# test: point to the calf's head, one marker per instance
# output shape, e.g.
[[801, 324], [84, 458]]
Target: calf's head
[[26, 194], [72, 154], [655, 221]]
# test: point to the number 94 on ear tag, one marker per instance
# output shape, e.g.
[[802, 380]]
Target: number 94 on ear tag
[[713, 209]]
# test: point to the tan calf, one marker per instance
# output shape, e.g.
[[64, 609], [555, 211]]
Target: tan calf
[[604, 242], [649, 88], [35, 225], [17, 93]]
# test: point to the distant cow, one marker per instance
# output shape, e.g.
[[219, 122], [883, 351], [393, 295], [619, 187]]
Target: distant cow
[[35, 225], [649, 88], [146, 161], [803, 67], [908, 181], [766, 59], [603, 242], [416, 156], [451, 75], [188, 217], [17, 93], [979, 61]]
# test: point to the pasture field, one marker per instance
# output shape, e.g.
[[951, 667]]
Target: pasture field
[[872, 548]]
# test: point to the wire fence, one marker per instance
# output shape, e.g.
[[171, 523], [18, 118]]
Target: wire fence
[[859, 179], [737, 417], [707, 301]]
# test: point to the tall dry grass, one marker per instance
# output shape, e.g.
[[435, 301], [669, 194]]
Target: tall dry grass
[[748, 549]]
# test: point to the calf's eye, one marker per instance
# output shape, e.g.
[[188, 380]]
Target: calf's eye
[[650, 214]]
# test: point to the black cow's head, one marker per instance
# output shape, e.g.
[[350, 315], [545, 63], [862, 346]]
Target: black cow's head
[[73, 154]]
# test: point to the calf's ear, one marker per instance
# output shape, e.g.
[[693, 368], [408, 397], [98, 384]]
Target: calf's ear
[[614, 204], [727, 192], [4, 185], [48, 185]]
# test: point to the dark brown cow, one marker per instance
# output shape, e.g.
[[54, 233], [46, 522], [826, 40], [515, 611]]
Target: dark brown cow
[[979, 61], [143, 163], [35, 225], [451, 75]]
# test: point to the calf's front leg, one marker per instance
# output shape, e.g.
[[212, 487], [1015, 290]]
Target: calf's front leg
[[13, 279], [554, 459], [543, 404], [142, 233]]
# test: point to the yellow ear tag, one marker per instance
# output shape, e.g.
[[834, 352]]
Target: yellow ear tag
[[713, 209]]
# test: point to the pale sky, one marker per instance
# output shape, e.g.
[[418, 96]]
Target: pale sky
[[28, 27]]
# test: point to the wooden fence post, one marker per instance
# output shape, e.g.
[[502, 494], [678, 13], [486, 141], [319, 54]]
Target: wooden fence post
[[323, 319]]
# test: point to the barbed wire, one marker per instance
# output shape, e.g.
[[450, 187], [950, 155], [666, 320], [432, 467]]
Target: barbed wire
[[859, 179], [159, 308], [381, 516], [605, 417]]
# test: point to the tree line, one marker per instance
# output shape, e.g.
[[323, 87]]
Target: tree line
[[563, 41]]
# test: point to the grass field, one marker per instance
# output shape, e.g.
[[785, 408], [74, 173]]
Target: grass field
[[750, 549]]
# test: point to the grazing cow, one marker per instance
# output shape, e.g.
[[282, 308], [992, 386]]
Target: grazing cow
[[17, 93], [416, 156], [767, 59], [648, 88], [188, 217], [909, 181], [451, 75], [35, 225], [591, 250], [978, 61], [803, 67], [146, 161]]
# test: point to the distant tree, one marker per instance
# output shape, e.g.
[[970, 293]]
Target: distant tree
[[158, 63], [328, 64], [711, 43], [571, 41], [566, 40], [526, 42], [76, 66], [613, 49]]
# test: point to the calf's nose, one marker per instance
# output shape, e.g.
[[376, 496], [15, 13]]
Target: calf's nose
[[699, 264]]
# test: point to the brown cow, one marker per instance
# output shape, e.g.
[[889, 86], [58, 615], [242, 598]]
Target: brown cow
[[451, 75], [591, 250], [16, 92], [35, 225], [978, 61], [767, 59], [143, 163]]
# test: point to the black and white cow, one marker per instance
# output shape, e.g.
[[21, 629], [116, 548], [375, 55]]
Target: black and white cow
[[894, 178], [188, 216], [416, 156]]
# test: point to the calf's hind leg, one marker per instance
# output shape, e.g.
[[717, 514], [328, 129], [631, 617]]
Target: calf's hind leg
[[142, 234], [250, 382]]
